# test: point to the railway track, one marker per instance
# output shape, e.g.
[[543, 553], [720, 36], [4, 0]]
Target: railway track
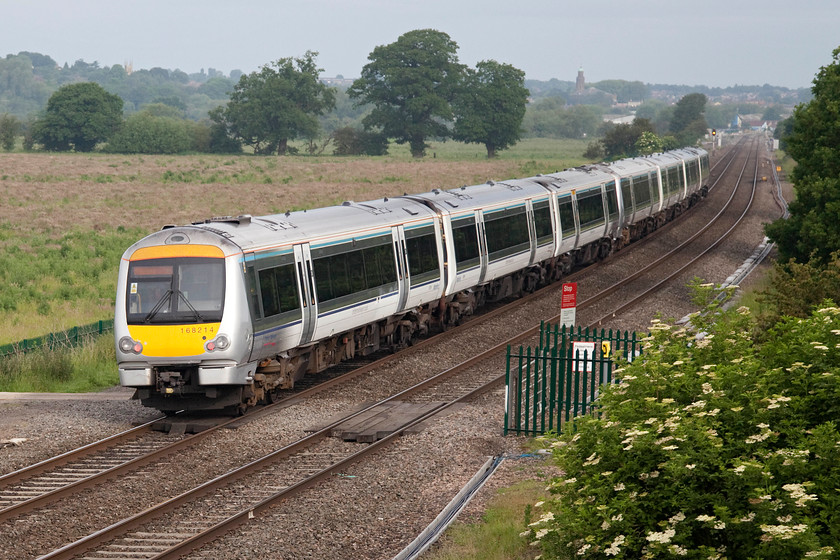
[[685, 258], [312, 459]]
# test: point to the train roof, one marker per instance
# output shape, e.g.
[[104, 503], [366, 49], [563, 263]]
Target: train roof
[[249, 233], [491, 194]]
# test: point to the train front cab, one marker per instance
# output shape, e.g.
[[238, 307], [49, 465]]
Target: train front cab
[[179, 335]]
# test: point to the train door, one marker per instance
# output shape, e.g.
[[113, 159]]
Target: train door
[[627, 201], [532, 229], [403, 273], [658, 188], [309, 299], [482, 244]]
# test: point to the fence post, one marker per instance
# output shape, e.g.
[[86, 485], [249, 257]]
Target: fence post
[[507, 389], [552, 397]]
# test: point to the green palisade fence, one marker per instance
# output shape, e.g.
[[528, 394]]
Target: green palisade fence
[[70, 338], [558, 380]]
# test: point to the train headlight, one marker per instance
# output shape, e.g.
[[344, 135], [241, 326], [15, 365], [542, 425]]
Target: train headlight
[[127, 345], [221, 342]]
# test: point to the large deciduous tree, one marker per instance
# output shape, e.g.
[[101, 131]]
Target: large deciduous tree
[[280, 102], [813, 230], [490, 106], [78, 116], [688, 122], [620, 140], [411, 84]]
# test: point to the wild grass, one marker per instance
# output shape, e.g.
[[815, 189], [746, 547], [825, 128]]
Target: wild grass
[[496, 536], [50, 281], [87, 368]]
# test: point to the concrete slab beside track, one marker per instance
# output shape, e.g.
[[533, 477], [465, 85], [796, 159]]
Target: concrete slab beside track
[[115, 394]]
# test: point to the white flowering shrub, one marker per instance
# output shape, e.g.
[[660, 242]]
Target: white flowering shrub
[[711, 446]]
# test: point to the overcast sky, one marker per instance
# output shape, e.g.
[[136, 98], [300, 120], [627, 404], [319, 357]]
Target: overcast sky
[[714, 42]]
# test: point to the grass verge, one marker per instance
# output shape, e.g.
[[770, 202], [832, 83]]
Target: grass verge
[[496, 536], [87, 368]]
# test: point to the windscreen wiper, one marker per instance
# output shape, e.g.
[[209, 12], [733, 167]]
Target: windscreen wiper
[[158, 306], [193, 309]]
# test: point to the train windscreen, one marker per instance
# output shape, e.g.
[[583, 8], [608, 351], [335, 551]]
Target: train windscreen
[[179, 290]]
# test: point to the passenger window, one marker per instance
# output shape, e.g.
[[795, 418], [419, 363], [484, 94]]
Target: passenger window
[[353, 271], [278, 290], [465, 239], [567, 216], [625, 195], [641, 188], [507, 232], [542, 223], [423, 264], [590, 209]]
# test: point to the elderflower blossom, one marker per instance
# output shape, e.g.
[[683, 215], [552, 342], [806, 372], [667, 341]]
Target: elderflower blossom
[[677, 550], [663, 537], [612, 550], [783, 532], [765, 433], [549, 516], [695, 404], [592, 460], [703, 518], [798, 494], [793, 455]]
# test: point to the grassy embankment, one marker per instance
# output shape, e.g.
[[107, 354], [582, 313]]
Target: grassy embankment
[[67, 218]]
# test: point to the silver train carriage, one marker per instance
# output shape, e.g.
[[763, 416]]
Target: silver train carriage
[[224, 313]]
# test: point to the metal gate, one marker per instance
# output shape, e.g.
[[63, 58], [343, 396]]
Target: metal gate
[[559, 380]]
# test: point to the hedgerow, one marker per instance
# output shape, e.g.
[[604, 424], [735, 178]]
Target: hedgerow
[[711, 446]]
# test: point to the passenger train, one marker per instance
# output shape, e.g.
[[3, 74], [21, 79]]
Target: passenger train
[[221, 314]]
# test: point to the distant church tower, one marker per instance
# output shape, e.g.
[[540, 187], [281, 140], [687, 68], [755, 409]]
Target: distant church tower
[[580, 83]]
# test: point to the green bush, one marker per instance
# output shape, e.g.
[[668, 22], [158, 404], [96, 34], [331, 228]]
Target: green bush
[[711, 446], [145, 133]]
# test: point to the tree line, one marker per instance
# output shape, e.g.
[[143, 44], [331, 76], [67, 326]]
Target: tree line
[[412, 90]]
